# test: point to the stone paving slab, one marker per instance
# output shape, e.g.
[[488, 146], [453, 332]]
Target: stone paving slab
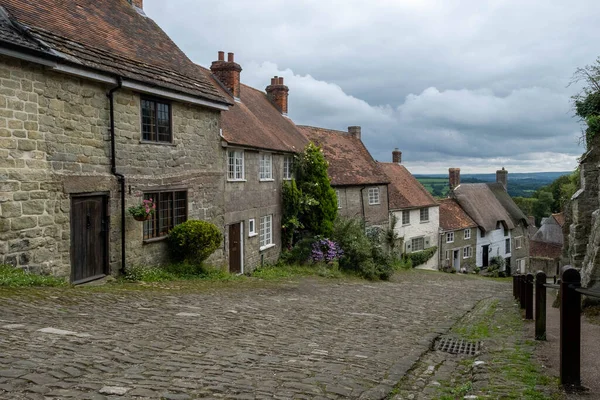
[[306, 339]]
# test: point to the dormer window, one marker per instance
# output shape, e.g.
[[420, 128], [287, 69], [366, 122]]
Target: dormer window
[[156, 121]]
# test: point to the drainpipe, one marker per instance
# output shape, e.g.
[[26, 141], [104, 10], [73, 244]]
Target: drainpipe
[[113, 167], [362, 203]]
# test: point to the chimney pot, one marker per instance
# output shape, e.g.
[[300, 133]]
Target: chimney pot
[[454, 177], [277, 93], [502, 177], [138, 3], [397, 156], [227, 72], [355, 131]]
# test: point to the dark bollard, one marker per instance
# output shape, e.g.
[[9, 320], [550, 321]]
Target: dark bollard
[[514, 282], [518, 288], [540, 306], [529, 296], [522, 291], [570, 328]]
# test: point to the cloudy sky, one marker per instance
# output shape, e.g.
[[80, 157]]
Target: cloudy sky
[[476, 84]]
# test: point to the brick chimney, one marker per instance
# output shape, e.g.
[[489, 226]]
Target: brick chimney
[[502, 177], [138, 3], [454, 177], [277, 93], [228, 72], [354, 131], [397, 156]]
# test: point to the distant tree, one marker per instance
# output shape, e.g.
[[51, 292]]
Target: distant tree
[[543, 206], [587, 102]]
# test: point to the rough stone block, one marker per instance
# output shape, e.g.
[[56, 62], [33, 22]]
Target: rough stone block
[[10, 210], [21, 223]]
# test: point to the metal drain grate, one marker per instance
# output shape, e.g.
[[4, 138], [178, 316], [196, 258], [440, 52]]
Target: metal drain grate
[[457, 346]]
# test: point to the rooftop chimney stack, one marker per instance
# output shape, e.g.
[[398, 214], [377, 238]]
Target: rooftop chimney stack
[[454, 177], [397, 156], [277, 93], [138, 3], [502, 177], [227, 72], [354, 131]]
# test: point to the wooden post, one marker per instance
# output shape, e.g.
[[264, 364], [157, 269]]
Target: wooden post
[[518, 288], [529, 296], [540, 306], [514, 282], [522, 291], [570, 328]]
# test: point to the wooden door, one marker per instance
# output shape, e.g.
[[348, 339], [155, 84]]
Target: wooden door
[[235, 249], [89, 238], [485, 255], [456, 257]]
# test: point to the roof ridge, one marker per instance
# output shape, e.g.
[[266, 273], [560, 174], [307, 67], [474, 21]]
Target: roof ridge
[[325, 129]]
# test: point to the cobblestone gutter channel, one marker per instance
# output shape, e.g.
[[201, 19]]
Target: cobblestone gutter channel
[[298, 339]]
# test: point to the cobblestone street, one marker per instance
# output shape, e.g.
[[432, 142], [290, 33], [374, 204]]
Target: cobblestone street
[[308, 338]]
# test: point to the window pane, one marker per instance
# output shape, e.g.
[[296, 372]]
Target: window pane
[[164, 125], [230, 165], [171, 210], [148, 120]]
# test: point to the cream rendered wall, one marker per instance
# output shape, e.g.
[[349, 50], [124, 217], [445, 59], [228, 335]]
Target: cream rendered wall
[[416, 229], [496, 240]]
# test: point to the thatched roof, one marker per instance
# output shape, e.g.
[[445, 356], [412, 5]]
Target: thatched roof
[[549, 232], [482, 205]]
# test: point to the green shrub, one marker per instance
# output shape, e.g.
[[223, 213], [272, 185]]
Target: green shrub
[[361, 255], [421, 257], [299, 254], [194, 241], [140, 273], [17, 277]]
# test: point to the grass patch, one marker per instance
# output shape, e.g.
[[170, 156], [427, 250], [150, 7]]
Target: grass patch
[[480, 328], [279, 271], [16, 277], [177, 272]]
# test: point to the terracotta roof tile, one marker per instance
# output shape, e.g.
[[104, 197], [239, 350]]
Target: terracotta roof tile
[[405, 191], [113, 37], [255, 122], [453, 217], [560, 218], [350, 163]]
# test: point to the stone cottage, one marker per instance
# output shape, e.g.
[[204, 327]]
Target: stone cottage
[[360, 185], [502, 225], [458, 237], [415, 211], [259, 142], [99, 109], [546, 246]]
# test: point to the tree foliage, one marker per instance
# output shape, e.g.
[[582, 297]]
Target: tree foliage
[[587, 102], [319, 204]]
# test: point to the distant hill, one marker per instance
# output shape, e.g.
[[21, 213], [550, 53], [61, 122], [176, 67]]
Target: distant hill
[[519, 184]]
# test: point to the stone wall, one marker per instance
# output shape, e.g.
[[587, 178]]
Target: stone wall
[[253, 199], [446, 249], [353, 202], [55, 142], [546, 265]]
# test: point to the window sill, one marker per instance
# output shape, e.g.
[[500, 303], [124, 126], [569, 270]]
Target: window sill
[[252, 234], [157, 143], [425, 222], [406, 224], [267, 180], [236, 180], [287, 179], [262, 248], [449, 242], [374, 204], [154, 240]]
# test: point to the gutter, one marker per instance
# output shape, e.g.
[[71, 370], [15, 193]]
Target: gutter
[[113, 167]]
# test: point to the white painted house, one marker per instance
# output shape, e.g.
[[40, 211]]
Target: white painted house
[[414, 208]]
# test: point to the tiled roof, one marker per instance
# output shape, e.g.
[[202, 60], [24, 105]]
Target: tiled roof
[[478, 200], [113, 37], [453, 217], [405, 191], [255, 122], [350, 163], [560, 218], [11, 34]]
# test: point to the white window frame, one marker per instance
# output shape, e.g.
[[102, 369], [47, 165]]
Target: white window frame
[[507, 242], [447, 254], [407, 213], [426, 209], [374, 196], [450, 237], [521, 265], [339, 200], [518, 242], [266, 232], [265, 167], [252, 227], [235, 166], [288, 162], [412, 244], [467, 252], [467, 234]]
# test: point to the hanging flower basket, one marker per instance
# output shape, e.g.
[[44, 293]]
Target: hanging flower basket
[[144, 211]]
